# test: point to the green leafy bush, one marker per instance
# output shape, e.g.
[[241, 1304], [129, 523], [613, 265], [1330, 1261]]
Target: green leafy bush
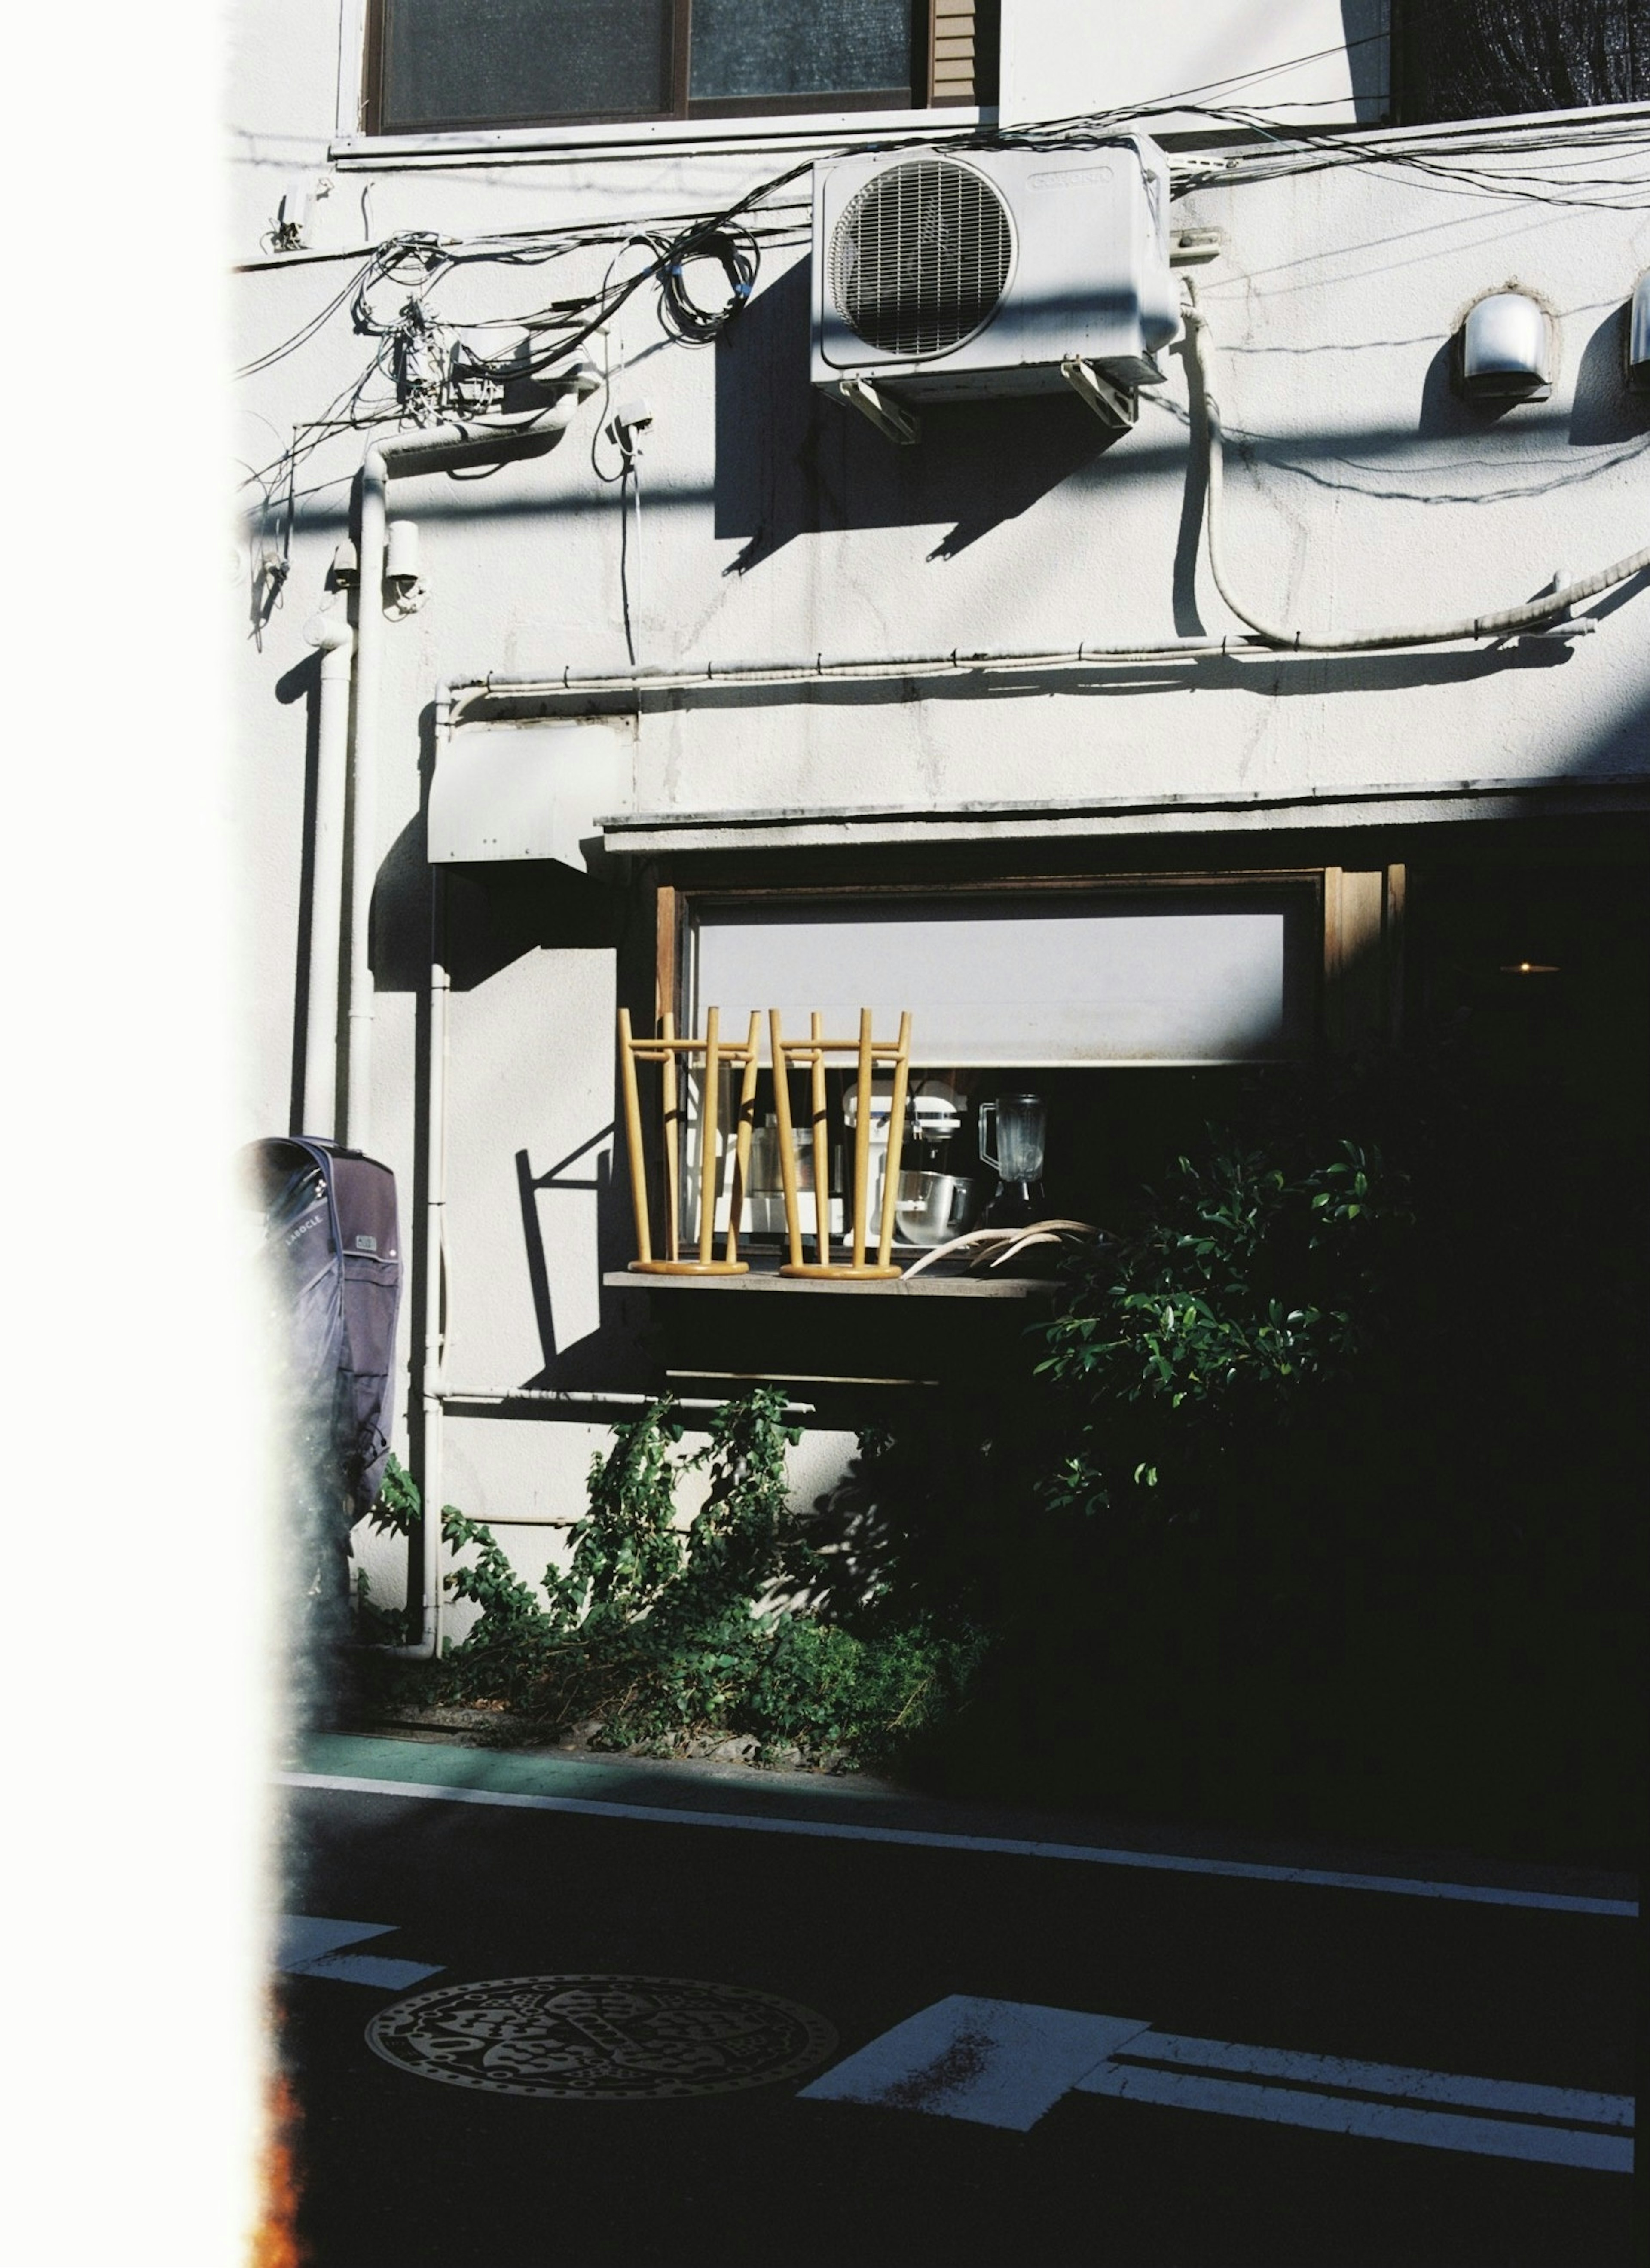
[[1247, 1287], [659, 1636]]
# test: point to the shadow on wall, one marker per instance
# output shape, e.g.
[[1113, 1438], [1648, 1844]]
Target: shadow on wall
[[496, 915], [1604, 409], [588, 1363], [1366, 27], [789, 461]]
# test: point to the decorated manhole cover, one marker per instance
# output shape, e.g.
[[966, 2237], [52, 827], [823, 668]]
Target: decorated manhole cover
[[600, 2039]]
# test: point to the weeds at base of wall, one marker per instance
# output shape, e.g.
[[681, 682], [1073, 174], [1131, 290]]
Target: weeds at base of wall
[[650, 1642]]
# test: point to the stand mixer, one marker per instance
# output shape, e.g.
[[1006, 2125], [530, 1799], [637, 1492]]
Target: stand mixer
[[931, 1205]]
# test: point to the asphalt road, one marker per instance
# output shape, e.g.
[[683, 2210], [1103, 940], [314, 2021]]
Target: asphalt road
[[399, 2168]]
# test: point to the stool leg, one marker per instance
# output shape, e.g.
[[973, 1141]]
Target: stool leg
[[707, 1131], [787, 1151], [896, 1136], [862, 1140], [742, 1146], [821, 1149], [672, 1163], [633, 1137]]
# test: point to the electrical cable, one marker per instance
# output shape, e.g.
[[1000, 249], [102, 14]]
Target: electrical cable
[[728, 238], [736, 251], [1186, 98], [1500, 622], [411, 355], [631, 576], [307, 331], [1444, 159]]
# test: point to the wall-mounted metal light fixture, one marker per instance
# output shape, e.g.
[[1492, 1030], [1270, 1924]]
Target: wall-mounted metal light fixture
[[1504, 351], [1639, 336], [403, 588]]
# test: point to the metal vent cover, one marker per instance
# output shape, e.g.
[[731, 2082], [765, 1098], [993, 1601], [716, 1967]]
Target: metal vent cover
[[919, 260]]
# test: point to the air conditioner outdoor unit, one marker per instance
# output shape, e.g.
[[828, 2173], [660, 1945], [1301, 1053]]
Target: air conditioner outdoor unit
[[948, 277]]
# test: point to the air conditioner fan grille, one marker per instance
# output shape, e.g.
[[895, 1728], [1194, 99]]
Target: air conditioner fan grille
[[920, 257]]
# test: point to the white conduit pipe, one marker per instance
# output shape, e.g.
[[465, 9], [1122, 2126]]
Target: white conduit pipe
[[583, 1398], [816, 669], [427, 1646], [336, 640], [1493, 624], [395, 454]]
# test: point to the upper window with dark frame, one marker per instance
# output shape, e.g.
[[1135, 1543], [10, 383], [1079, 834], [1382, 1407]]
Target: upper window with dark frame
[[1511, 58], [438, 66]]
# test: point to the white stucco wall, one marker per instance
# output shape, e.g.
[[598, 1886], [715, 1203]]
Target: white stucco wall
[[1301, 61], [774, 524]]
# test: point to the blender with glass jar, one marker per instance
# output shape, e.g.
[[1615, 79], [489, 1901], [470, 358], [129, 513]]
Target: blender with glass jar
[[1014, 1132]]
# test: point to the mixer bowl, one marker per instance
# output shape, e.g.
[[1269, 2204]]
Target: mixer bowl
[[931, 1209]]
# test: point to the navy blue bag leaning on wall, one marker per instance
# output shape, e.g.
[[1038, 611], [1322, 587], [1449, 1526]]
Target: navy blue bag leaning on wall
[[332, 1247]]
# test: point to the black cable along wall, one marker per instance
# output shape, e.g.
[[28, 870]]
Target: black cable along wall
[[1502, 58]]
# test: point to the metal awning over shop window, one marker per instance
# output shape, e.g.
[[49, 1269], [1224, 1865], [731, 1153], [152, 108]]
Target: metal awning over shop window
[[527, 791]]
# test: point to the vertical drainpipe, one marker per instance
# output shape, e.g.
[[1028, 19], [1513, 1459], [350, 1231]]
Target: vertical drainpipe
[[424, 1560], [423, 448], [369, 662], [332, 634], [433, 1368]]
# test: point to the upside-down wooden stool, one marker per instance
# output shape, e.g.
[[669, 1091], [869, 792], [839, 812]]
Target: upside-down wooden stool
[[666, 1050], [812, 1051]]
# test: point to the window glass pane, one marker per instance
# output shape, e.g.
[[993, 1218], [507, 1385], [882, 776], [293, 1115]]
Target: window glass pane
[[1181, 977], [1503, 58], [495, 63], [758, 49]]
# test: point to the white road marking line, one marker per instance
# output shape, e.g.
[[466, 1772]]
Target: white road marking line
[[369, 1969], [999, 2063], [1005, 2063], [1083, 1853], [306, 1945], [301, 1938], [1515, 2098], [1386, 2121]]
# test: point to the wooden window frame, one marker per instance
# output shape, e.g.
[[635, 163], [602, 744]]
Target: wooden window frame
[[1359, 988], [953, 50]]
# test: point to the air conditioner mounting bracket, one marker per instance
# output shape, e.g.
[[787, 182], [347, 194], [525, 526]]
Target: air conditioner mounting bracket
[[1116, 406], [900, 424]]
